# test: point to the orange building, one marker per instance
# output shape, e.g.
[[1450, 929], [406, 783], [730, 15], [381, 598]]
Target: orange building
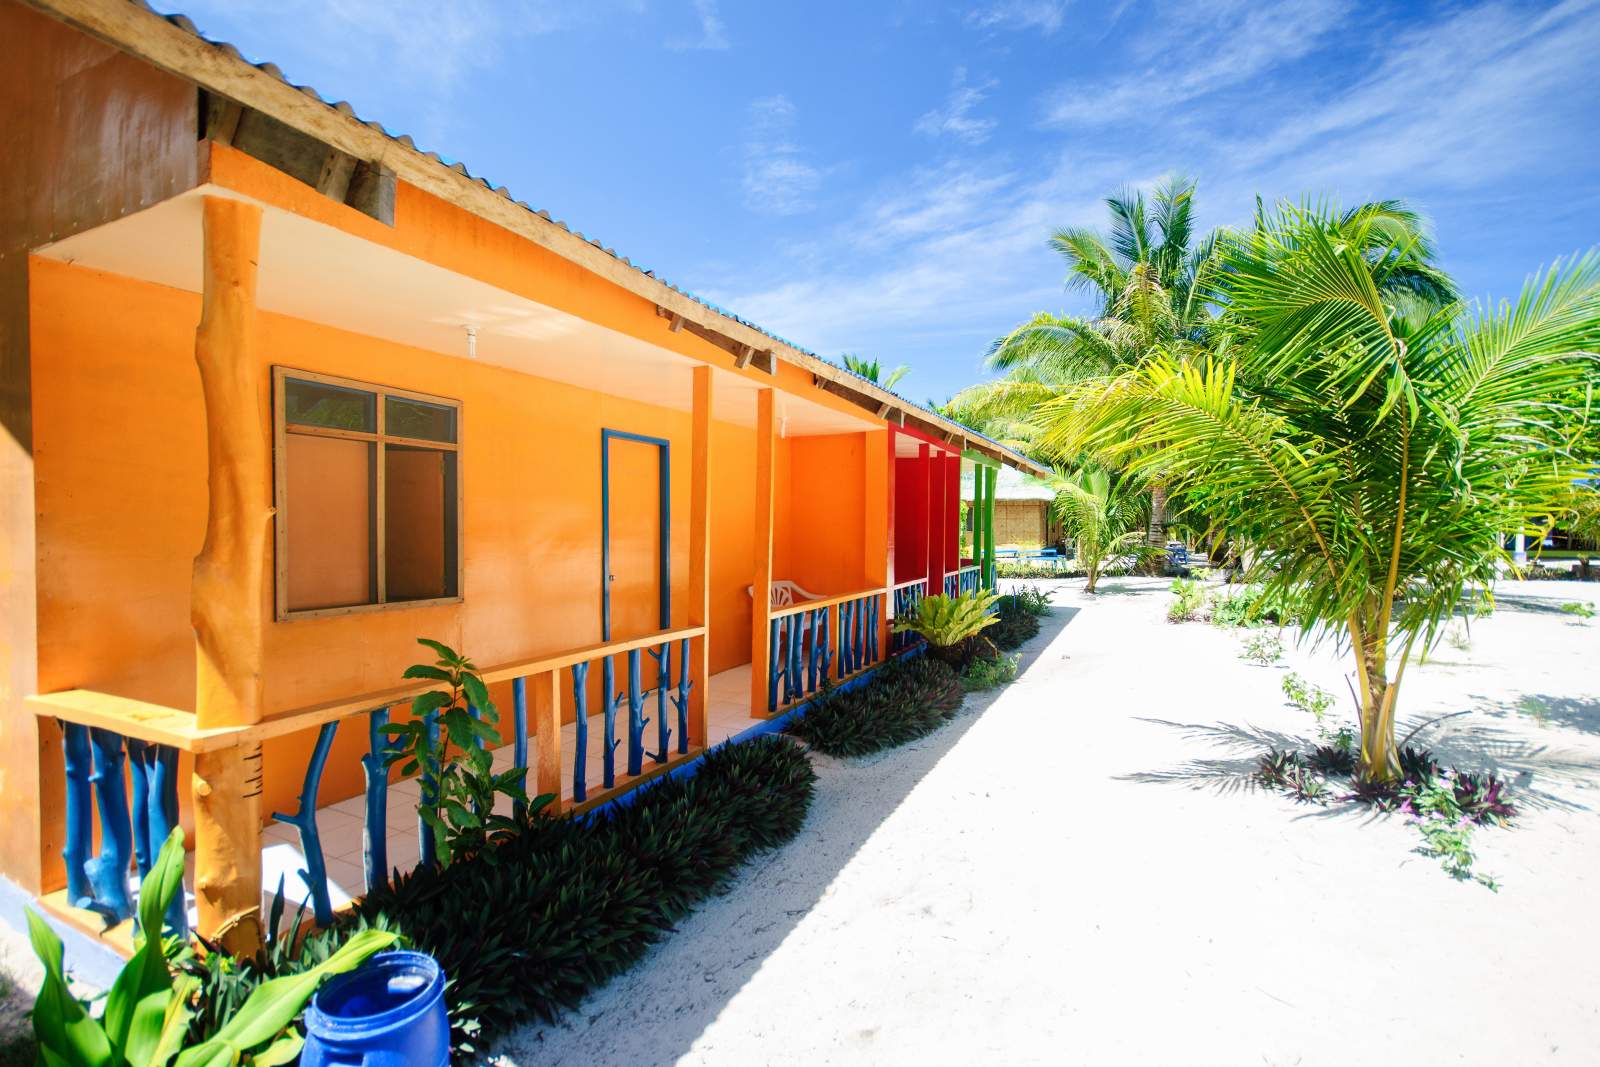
[[282, 394]]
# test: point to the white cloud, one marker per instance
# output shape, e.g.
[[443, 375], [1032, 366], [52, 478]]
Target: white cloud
[[955, 118], [1486, 101], [1196, 50], [778, 180], [1043, 15], [713, 31]]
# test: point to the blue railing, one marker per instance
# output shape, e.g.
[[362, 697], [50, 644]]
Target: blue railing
[[131, 828], [968, 580], [99, 764], [905, 598], [813, 644]]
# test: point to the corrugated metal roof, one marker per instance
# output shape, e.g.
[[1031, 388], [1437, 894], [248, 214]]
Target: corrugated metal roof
[[187, 25]]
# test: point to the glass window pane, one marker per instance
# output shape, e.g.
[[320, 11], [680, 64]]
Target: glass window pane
[[332, 406], [418, 419], [419, 523], [329, 486]]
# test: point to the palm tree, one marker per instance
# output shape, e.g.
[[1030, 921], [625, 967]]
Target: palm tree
[[1149, 280], [1103, 512], [1369, 442], [871, 371]]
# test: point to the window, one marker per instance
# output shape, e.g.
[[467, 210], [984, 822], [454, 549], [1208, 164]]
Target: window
[[368, 490]]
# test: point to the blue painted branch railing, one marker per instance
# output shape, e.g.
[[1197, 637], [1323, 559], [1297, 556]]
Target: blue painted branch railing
[[819, 642], [903, 601], [131, 782], [131, 828], [968, 579]]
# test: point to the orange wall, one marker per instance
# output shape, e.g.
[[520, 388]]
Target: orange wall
[[825, 545], [121, 499]]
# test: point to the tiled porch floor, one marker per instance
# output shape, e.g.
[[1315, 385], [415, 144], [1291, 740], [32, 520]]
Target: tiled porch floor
[[342, 824]]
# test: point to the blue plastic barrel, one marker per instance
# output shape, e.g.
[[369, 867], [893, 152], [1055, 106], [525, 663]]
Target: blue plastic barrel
[[389, 1012]]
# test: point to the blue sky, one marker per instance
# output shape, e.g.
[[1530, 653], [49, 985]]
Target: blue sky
[[880, 178]]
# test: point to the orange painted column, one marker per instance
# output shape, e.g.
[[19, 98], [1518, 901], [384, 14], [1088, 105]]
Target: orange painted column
[[700, 556], [229, 594], [761, 583], [878, 510]]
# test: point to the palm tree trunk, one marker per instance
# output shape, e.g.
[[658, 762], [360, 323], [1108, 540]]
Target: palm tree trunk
[[1156, 534], [1380, 756]]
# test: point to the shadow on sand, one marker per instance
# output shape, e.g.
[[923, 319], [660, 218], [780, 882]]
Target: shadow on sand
[[677, 997], [1539, 774]]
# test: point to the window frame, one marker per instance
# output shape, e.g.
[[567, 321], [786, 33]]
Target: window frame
[[379, 440]]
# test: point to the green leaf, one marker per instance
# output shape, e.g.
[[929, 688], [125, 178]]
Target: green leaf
[[423, 670], [140, 990], [274, 1004], [447, 655], [284, 1050], [61, 1026], [477, 693], [432, 700]]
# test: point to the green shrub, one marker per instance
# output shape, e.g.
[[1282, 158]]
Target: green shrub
[[1017, 619], [952, 626], [1188, 598], [990, 672], [1250, 605], [1263, 649], [905, 699], [569, 903], [1016, 569], [1311, 699]]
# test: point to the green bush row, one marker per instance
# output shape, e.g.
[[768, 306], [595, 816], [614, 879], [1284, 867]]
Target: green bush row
[[526, 930], [907, 698]]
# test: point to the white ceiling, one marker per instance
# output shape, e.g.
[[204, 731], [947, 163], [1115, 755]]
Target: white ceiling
[[322, 274]]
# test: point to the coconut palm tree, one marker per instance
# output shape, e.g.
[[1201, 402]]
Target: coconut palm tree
[[1148, 277], [1103, 512], [871, 371], [1369, 442]]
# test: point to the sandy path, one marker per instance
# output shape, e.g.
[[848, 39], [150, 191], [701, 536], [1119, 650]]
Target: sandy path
[[1063, 876]]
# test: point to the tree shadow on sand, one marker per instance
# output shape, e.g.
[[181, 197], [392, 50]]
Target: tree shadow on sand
[[1540, 775]]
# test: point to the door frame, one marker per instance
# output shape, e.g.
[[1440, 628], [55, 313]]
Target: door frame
[[664, 524]]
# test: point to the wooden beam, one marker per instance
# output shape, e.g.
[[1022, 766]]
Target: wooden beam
[[741, 358], [337, 170], [700, 554], [222, 118], [761, 582]]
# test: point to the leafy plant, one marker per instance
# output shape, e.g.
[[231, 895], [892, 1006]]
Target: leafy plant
[[1417, 765], [570, 903], [449, 740], [1457, 638], [989, 672], [1333, 759], [1580, 610], [905, 699], [226, 982], [1263, 649], [1277, 766], [1482, 798], [1188, 598], [146, 1016], [1018, 618], [950, 624], [1311, 699]]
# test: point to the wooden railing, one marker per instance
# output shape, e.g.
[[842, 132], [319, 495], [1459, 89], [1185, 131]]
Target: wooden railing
[[97, 729], [818, 641]]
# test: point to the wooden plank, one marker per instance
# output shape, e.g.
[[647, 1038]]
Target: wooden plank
[[337, 169], [824, 602], [761, 582]]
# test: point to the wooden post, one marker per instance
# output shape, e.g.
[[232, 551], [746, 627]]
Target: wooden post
[[991, 478], [878, 484], [700, 557], [546, 688], [228, 597], [761, 585]]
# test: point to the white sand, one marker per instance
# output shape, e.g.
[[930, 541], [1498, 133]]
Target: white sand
[[1059, 877]]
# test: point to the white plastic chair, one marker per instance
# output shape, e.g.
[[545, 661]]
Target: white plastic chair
[[785, 594]]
